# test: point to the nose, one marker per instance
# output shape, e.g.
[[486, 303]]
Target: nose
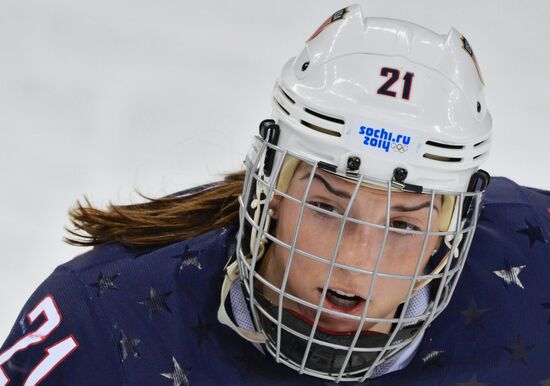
[[359, 246]]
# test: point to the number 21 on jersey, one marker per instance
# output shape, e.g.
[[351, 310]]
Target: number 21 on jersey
[[53, 355]]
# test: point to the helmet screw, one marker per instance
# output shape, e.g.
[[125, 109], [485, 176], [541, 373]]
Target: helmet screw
[[478, 107], [305, 66], [399, 174], [354, 163]]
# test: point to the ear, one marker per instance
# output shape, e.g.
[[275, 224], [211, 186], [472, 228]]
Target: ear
[[274, 206]]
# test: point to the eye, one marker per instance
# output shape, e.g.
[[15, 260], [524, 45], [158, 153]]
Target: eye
[[324, 206], [404, 225]]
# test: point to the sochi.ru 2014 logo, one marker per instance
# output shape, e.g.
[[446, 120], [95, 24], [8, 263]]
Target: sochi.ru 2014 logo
[[383, 139]]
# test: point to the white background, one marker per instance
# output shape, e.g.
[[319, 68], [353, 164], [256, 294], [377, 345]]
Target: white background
[[102, 97]]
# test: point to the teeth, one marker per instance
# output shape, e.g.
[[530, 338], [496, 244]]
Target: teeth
[[343, 299], [343, 293]]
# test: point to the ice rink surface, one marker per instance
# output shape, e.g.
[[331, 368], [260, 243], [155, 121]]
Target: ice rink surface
[[105, 97]]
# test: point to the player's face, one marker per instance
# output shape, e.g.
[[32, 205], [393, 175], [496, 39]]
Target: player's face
[[359, 247]]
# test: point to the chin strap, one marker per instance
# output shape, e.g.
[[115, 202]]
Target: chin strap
[[232, 274], [257, 204]]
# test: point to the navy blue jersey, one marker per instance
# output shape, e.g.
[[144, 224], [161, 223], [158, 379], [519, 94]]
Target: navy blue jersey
[[116, 316]]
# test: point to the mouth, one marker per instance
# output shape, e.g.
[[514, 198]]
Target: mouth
[[342, 301]]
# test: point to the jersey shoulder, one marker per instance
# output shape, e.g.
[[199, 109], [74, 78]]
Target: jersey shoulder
[[57, 334], [508, 203], [504, 191], [496, 324], [108, 307]]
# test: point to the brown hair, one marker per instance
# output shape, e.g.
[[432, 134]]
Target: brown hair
[[158, 221]]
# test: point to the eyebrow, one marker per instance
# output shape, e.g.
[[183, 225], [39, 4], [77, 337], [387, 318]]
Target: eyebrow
[[425, 204], [343, 194], [339, 193]]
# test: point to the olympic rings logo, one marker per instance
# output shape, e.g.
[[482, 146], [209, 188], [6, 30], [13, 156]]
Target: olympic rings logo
[[399, 147]]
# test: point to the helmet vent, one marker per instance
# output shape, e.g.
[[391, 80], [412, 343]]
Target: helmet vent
[[480, 143], [286, 95], [281, 107], [480, 155], [436, 157], [321, 129], [445, 145], [323, 116]]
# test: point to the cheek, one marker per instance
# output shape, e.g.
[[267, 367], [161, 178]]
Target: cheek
[[311, 239], [391, 291], [315, 236], [308, 241], [401, 253]]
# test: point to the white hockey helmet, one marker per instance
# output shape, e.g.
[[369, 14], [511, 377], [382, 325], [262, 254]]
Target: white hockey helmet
[[393, 94], [383, 103]]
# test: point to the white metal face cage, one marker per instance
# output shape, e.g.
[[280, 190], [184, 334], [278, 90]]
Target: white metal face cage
[[353, 300], [302, 343]]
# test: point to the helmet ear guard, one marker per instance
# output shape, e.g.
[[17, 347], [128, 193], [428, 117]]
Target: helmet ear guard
[[478, 183], [257, 198], [269, 131]]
